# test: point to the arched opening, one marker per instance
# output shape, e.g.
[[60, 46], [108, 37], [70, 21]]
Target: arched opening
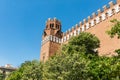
[[51, 25]]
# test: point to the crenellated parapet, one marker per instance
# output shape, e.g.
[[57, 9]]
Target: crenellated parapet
[[96, 23], [87, 23], [91, 21], [53, 20]]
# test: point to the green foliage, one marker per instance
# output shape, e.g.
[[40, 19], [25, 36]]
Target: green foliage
[[117, 51], [65, 66], [80, 66], [1, 76], [30, 70], [75, 62], [85, 41], [103, 68], [115, 30]]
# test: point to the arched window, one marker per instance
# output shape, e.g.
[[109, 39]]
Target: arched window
[[57, 26], [51, 25], [43, 58]]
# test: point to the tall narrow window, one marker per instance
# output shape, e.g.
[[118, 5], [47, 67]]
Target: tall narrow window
[[51, 25], [43, 58], [56, 26]]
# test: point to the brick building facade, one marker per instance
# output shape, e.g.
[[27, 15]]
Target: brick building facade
[[96, 24]]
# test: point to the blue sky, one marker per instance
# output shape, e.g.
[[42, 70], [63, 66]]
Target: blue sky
[[22, 23]]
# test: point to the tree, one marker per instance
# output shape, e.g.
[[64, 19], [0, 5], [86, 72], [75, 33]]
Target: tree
[[118, 51], [104, 68], [33, 71], [86, 41], [30, 70], [1, 76], [74, 62], [67, 67], [115, 30]]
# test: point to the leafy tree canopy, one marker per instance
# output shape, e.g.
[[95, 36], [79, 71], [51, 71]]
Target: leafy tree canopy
[[30, 70], [115, 30], [84, 42], [75, 62], [1, 76]]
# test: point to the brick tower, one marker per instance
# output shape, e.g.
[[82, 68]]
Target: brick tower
[[96, 24], [51, 39]]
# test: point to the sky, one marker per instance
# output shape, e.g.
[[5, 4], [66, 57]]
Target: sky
[[22, 23]]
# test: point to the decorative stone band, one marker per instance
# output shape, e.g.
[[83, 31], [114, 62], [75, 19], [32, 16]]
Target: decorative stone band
[[51, 38]]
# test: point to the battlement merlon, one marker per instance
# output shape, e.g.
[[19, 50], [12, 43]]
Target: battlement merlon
[[53, 20], [96, 18], [52, 41], [53, 27], [101, 14], [53, 23]]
